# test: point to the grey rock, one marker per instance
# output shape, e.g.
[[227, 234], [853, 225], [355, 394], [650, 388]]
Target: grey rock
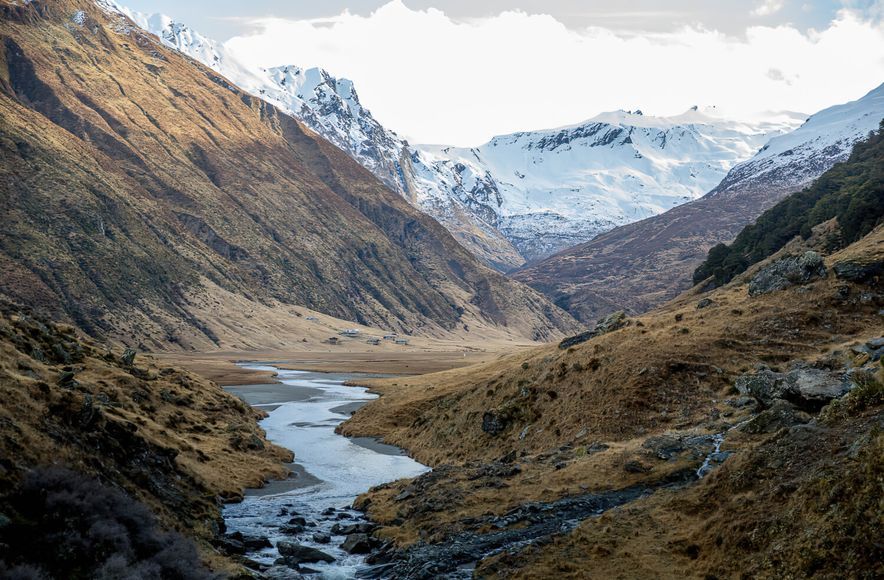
[[663, 446], [787, 272], [779, 416], [298, 553], [862, 272], [804, 386], [705, 303], [321, 538], [292, 530], [634, 466], [66, 379], [610, 323], [357, 544], [128, 357], [493, 423]]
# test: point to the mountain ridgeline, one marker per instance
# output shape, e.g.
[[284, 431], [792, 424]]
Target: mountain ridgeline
[[643, 264], [520, 196], [143, 190], [852, 192]]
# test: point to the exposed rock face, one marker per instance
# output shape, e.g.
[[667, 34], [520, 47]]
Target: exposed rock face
[[804, 386], [787, 272], [607, 324]]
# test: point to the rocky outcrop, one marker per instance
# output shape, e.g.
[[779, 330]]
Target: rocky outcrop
[[859, 271], [607, 324], [786, 272], [804, 386]]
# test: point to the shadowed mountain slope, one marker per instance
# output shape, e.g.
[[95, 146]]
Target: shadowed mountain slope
[[141, 188]]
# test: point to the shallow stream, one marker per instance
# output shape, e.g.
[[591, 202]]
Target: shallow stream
[[330, 470]]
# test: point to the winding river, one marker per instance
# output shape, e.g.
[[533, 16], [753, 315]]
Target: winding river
[[329, 470]]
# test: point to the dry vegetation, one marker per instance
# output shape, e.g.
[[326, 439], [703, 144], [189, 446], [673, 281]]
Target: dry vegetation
[[803, 500], [170, 439], [150, 201]]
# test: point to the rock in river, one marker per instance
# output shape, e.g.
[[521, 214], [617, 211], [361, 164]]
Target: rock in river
[[302, 554], [357, 544]]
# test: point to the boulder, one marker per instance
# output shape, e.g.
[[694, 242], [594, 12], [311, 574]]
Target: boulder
[[297, 553], [781, 414], [806, 387], [610, 323], [764, 385], [255, 543], [357, 544], [358, 528], [128, 357], [493, 423], [705, 303], [633, 466], [862, 272], [292, 530], [663, 446], [321, 538], [812, 388], [787, 272]]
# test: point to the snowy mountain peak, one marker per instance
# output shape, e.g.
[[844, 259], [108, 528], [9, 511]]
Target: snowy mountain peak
[[791, 161], [522, 195]]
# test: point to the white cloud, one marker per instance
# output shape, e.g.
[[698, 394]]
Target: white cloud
[[767, 7], [436, 80]]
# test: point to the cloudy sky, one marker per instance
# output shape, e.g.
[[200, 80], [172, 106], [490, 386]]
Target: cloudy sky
[[460, 71]]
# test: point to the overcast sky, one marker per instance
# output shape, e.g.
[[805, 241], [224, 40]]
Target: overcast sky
[[460, 71]]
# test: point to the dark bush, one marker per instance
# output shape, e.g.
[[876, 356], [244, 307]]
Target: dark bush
[[62, 524]]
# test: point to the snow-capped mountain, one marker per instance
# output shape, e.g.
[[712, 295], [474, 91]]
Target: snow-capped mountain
[[547, 190], [519, 196], [643, 264], [793, 160]]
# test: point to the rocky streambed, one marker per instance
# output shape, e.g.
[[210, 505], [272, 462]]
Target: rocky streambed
[[305, 525]]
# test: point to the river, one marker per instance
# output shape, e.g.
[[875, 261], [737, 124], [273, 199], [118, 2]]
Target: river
[[329, 470]]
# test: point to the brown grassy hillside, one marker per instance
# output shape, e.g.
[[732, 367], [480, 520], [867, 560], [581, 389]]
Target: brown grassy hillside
[[667, 369], [141, 190], [637, 406], [170, 439]]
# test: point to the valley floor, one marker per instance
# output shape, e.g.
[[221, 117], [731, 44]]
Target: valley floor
[[220, 367]]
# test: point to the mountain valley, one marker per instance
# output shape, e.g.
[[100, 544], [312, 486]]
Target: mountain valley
[[247, 331]]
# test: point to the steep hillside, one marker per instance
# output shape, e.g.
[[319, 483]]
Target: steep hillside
[[772, 400], [169, 439], [641, 265], [851, 193], [331, 107], [144, 188]]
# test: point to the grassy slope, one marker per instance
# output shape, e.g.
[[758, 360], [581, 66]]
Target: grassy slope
[[668, 372], [145, 192], [169, 438]]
